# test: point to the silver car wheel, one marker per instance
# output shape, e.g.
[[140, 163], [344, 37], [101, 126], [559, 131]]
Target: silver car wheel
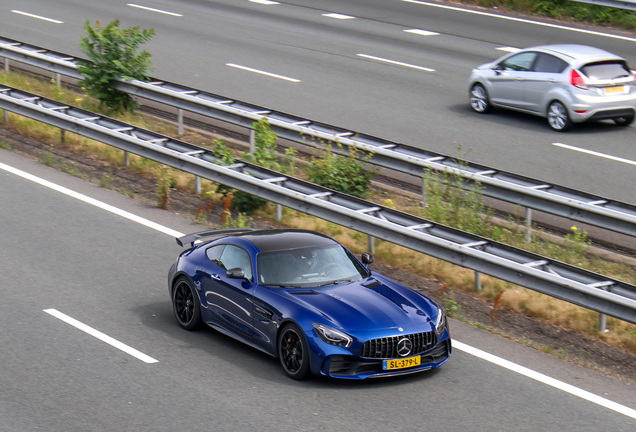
[[558, 117], [479, 99]]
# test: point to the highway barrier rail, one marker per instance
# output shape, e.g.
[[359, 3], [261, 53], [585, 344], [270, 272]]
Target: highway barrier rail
[[563, 281], [523, 191]]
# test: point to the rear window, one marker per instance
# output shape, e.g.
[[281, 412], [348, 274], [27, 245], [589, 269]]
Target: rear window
[[606, 70]]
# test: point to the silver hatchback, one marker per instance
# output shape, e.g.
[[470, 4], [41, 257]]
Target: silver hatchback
[[565, 83]]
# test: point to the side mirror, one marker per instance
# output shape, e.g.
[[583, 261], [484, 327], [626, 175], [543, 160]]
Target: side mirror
[[367, 258], [235, 273]]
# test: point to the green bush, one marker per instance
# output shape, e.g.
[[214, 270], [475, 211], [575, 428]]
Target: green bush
[[113, 55], [566, 10], [342, 173], [452, 200]]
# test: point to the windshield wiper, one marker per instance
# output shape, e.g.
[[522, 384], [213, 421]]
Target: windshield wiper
[[336, 282]]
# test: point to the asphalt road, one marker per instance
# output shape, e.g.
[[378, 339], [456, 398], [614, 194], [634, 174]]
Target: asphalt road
[[60, 255], [363, 69], [64, 257]]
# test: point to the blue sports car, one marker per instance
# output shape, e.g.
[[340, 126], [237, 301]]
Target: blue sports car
[[303, 297]]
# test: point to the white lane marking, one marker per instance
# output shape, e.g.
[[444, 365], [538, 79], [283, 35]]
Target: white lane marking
[[509, 49], [422, 32], [594, 153], [380, 59], [337, 16], [92, 201], [37, 17], [154, 10], [522, 370], [456, 344], [265, 2], [101, 336], [423, 3], [249, 69]]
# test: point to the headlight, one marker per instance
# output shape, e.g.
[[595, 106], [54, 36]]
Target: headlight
[[440, 323], [333, 336]]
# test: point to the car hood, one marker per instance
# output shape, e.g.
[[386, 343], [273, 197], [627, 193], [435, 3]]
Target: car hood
[[367, 305], [490, 65]]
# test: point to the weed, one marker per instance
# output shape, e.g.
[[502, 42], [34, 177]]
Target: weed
[[452, 200], [49, 159], [577, 243], [106, 181], [264, 146], [342, 173], [164, 182], [495, 311], [446, 300], [70, 169], [241, 221]]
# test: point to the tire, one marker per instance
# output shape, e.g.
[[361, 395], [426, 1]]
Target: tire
[[558, 117], [185, 304], [293, 352], [624, 120], [479, 100]]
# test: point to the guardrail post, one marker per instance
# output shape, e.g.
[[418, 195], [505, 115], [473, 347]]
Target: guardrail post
[[252, 141], [126, 159], [423, 190], [477, 281], [6, 65], [371, 244], [197, 185], [62, 136], [279, 212], [180, 121], [528, 225], [58, 79], [602, 318], [602, 323]]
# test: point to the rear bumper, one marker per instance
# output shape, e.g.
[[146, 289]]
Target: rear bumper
[[608, 114], [591, 108]]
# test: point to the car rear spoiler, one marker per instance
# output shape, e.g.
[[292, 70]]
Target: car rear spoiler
[[211, 234]]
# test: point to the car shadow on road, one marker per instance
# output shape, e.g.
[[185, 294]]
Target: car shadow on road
[[217, 347], [499, 117]]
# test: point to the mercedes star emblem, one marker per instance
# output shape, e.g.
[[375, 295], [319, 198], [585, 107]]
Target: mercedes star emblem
[[404, 347]]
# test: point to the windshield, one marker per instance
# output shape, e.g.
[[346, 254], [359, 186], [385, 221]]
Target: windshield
[[309, 267]]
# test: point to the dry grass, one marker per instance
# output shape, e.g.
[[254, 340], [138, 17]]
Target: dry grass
[[510, 297]]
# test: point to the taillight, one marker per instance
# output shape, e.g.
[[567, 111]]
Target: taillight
[[577, 80]]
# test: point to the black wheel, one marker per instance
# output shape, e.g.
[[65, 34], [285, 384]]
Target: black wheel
[[293, 352], [558, 117], [185, 303], [479, 100], [624, 120]]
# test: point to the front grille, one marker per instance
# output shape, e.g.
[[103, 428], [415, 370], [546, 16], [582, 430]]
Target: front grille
[[387, 347]]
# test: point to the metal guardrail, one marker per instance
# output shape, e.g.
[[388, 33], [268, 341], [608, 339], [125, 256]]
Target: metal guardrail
[[619, 4], [531, 193], [563, 281]]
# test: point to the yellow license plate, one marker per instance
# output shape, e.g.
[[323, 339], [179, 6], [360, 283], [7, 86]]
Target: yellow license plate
[[615, 89], [402, 363]]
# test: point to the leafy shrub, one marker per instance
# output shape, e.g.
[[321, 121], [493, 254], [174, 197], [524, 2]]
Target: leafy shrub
[[112, 52], [452, 200], [342, 173]]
